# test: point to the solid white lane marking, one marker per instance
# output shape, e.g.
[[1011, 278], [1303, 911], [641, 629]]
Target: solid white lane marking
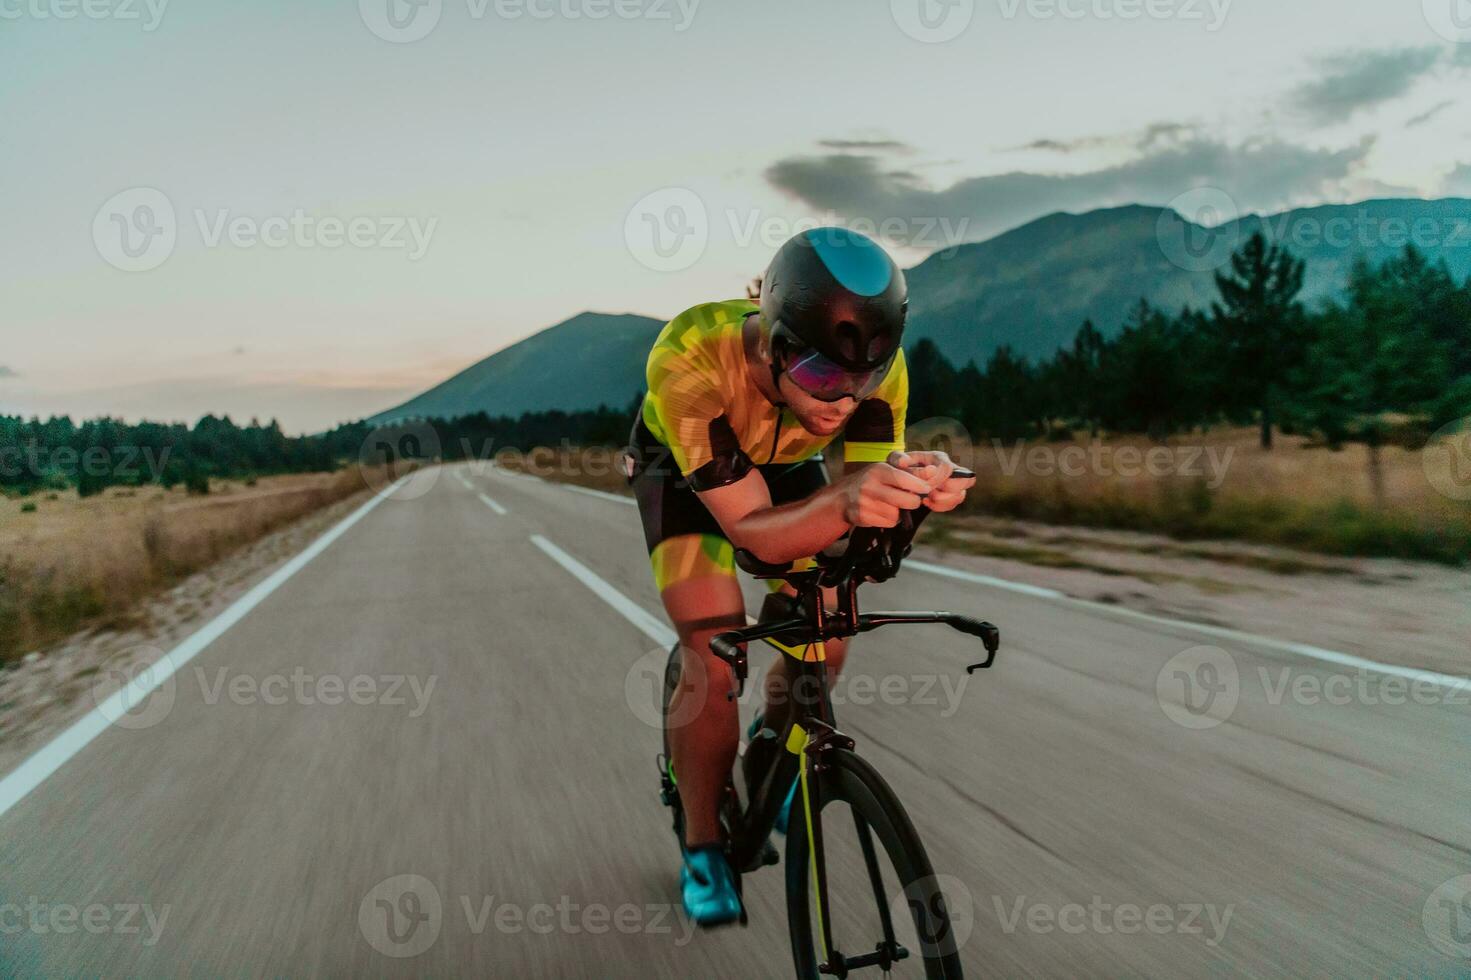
[[651, 626], [493, 505], [1307, 650], [603, 494], [995, 583], [54, 754]]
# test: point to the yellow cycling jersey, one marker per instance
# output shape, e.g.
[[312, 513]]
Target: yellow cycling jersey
[[703, 404]]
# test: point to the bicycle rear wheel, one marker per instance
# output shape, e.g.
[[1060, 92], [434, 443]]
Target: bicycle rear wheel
[[856, 804]]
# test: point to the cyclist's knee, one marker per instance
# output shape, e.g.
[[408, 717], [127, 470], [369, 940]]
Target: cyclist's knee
[[701, 667]]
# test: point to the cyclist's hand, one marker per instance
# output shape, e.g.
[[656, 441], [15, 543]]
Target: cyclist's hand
[[938, 469], [874, 495]]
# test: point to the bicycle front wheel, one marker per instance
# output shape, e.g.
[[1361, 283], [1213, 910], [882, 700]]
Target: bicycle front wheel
[[880, 882]]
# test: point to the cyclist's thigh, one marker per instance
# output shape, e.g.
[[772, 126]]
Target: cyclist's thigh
[[693, 562]]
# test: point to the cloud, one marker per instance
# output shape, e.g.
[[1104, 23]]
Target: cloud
[[6, 372], [1144, 139], [1355, 80], [1428, 114], [1457, 183], [873, 146], [1262, 175]]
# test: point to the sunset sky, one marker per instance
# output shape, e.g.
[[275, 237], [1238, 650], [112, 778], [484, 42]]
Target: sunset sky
[[336, 212]]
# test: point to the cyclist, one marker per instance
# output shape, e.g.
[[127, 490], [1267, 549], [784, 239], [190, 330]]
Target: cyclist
[[742, 397]]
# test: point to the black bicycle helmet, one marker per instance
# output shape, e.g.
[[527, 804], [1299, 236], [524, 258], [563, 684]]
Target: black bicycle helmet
[[836, 292]]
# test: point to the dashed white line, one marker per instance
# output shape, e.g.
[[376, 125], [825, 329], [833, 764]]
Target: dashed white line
[[651, 626], [493, 505], [54, 754]]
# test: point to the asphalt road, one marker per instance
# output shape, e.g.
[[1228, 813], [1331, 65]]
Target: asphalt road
[[436, 695]]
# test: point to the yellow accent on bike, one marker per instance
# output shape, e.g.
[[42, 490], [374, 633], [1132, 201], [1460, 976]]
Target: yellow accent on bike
[[811, 843], [796, 740]]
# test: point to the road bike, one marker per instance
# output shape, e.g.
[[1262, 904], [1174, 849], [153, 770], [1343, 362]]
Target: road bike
[[823, 763]]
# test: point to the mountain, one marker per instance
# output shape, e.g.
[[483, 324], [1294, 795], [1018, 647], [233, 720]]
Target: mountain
[[1031, 287], [590, 360]]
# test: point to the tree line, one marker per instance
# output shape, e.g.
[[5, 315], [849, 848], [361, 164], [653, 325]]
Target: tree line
[[1391, 359], [38, 455]]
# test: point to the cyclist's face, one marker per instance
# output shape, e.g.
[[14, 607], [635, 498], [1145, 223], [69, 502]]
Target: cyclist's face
[[816, 416]]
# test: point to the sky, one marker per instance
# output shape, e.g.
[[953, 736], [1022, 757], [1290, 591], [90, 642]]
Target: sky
[[311, 211]]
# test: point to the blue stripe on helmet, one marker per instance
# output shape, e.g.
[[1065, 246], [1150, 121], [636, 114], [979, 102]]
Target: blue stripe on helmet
[[857, 262]]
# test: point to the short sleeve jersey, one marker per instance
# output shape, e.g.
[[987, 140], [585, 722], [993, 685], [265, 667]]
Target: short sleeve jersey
[[704, 405]]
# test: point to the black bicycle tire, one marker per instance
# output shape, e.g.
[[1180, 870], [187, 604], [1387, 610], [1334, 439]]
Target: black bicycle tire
[[853, 781]]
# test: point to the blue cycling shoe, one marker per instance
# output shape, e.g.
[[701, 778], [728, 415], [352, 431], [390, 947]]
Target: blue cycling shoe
[[708, 887], [786, 808]]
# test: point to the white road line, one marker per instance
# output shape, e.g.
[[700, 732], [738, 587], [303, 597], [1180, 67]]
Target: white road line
[[1449, 681], [461, 478], [54, 754], [599, 493], [651, 626], [995, 583], [493, 505]]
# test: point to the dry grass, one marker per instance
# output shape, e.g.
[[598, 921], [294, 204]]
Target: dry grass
[[74, 563], [1217, 485], [596, 467], [1297, 494]]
